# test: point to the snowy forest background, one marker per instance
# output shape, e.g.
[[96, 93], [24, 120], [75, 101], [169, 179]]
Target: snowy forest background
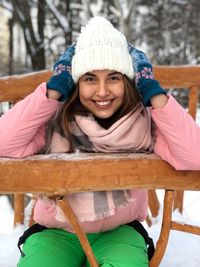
[[168, 31]]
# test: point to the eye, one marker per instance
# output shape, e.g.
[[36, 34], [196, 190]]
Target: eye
[[89, 79], [115, 77]]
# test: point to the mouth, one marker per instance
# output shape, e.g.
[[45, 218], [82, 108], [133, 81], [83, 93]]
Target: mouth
[[103, 104]]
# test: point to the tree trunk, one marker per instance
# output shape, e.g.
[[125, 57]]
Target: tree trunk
[[34, 40], [10, 64]]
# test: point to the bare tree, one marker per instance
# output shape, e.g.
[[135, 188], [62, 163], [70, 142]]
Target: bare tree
[[61, 18], [125, 11], [169, 30], [33, 36]]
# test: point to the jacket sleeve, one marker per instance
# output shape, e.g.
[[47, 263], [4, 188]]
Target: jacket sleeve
[[22, 128], [177, 136]]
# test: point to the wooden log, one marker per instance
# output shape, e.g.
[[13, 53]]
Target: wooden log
[[63, 173]]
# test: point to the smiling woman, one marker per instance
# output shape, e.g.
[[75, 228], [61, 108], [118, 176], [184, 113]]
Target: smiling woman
[[108, 95], [106, 87], [102, 92]]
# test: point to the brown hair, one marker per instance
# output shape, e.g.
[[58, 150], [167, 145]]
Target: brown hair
[[73, 107]]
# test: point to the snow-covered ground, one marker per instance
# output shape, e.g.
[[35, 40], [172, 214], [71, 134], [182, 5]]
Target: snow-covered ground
[[183, 249]]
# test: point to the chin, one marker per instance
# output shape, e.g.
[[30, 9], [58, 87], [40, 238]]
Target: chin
[[102, 116]]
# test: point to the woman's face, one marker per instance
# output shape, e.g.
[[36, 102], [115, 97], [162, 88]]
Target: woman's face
[[102, 92]]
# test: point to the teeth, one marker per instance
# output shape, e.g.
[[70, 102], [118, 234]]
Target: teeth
[[103, 103]]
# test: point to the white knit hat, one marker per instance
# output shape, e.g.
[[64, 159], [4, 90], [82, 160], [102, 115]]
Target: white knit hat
[[101, 46]]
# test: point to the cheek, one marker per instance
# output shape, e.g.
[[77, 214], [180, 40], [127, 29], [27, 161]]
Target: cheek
[[83, 96], [84, 92], [120, 91]]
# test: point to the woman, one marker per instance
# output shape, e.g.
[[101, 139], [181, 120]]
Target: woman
[[101, 111]]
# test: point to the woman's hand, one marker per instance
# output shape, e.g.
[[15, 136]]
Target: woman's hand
[[62, 81], [53, 94], [145, 83], [159, 101]]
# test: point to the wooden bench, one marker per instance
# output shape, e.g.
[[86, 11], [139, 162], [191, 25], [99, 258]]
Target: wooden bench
[[58, 174]]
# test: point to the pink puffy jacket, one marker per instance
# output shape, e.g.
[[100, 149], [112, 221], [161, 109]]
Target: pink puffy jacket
[[22, 131]]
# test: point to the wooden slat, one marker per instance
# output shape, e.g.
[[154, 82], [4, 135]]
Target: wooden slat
[[16, 87], [62, 173], [153, 202], [187, 228], [178, 76], [18, 209], [70, 215], [13, 88], [178, 200], [165, 230], [193, 101]]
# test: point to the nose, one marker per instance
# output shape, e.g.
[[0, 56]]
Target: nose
[[102, 90]]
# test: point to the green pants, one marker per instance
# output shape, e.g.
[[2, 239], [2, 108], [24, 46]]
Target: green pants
[[121, 247]]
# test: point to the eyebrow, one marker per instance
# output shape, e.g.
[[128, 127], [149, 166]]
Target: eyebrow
[[90, 74], [115, 72], [93, 75]]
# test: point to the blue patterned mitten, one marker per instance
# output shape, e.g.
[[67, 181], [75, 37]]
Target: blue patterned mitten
[[62, 80], [144, 79]]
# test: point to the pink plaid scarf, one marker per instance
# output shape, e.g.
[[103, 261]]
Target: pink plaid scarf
[[131, 133]]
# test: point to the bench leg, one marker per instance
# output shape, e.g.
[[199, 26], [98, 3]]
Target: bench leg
[[66, 208], [178, 200], [154, 205], [165, 229], [18, 209]]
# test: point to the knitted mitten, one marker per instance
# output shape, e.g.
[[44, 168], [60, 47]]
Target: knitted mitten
[[144, 79], [62, 80]]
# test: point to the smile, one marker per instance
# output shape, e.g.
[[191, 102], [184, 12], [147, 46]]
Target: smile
[[103, 103]]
